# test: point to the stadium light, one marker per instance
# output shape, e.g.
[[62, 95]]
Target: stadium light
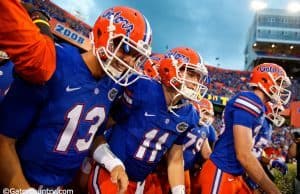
[[291, 47], [293, 6], [273, 45], [258, 5], [254, 45]]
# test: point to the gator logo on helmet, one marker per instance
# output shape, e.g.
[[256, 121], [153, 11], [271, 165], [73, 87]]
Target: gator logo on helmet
[[155, 58], [271, 69], [178, 56], [118, 18]]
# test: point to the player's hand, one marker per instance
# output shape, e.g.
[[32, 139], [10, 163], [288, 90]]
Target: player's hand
[[279, 165], [119, 176]]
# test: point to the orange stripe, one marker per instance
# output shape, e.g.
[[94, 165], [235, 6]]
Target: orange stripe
[[251, 101]]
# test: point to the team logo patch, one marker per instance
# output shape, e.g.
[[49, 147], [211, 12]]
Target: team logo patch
[[203, 134], [112, 94], [181, 127]]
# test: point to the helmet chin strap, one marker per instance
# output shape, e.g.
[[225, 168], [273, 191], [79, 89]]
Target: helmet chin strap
[[175, 105]]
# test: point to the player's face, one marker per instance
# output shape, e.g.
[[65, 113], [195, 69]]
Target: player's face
[[130, 58], [207, 118], [191, 77]]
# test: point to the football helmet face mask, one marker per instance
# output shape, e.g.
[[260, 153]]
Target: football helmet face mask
[[183, 69], [206, 111], [121, 30], [273, 81], [152, 64], [273, 113]]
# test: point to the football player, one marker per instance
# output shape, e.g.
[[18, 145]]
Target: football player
[[195, 149], [206, 119], [243, 118], [60, 97], [153, 119], [200, 151], [262, 141]]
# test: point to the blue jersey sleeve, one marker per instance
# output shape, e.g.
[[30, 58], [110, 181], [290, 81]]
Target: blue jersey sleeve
[[241, 117], [212, 136], [247, 110], [20, 107]]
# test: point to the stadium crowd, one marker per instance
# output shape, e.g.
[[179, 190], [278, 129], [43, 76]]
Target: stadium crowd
[[225, 82], [62, 16]]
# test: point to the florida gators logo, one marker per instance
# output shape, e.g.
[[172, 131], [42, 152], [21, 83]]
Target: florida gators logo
[[271, 69], [112, 94], [178, 56], [118, 18], [182, 127]]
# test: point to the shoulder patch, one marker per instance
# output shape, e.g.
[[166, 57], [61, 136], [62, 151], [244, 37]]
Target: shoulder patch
[[112, 94], [181, 127], [203, 134], [248, 105]]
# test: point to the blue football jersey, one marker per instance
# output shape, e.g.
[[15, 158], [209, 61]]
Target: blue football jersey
[[244, 109], [212, 135], [6, 78], [55, 123], [193, 144], [145, 128], [263, 138]]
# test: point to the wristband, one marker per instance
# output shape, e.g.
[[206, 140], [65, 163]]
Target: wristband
[[104, 156], [179, 189]]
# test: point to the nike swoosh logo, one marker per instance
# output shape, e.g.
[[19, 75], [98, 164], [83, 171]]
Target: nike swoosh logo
[[149, 115], [229, 179], [68, 89]]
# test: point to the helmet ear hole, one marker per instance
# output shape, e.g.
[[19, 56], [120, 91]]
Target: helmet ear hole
[[166, 70], [99, 33], [264, 80]]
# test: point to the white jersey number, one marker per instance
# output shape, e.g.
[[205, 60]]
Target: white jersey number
[[146, 145], [73, 118], [193, 141]]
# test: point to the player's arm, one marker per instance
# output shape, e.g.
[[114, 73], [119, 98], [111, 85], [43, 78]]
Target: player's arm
[[243, 147], [40, 18], [32, 52], [205, 150], [176, 169], [17, 112], [10, 167], [103, 155]]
